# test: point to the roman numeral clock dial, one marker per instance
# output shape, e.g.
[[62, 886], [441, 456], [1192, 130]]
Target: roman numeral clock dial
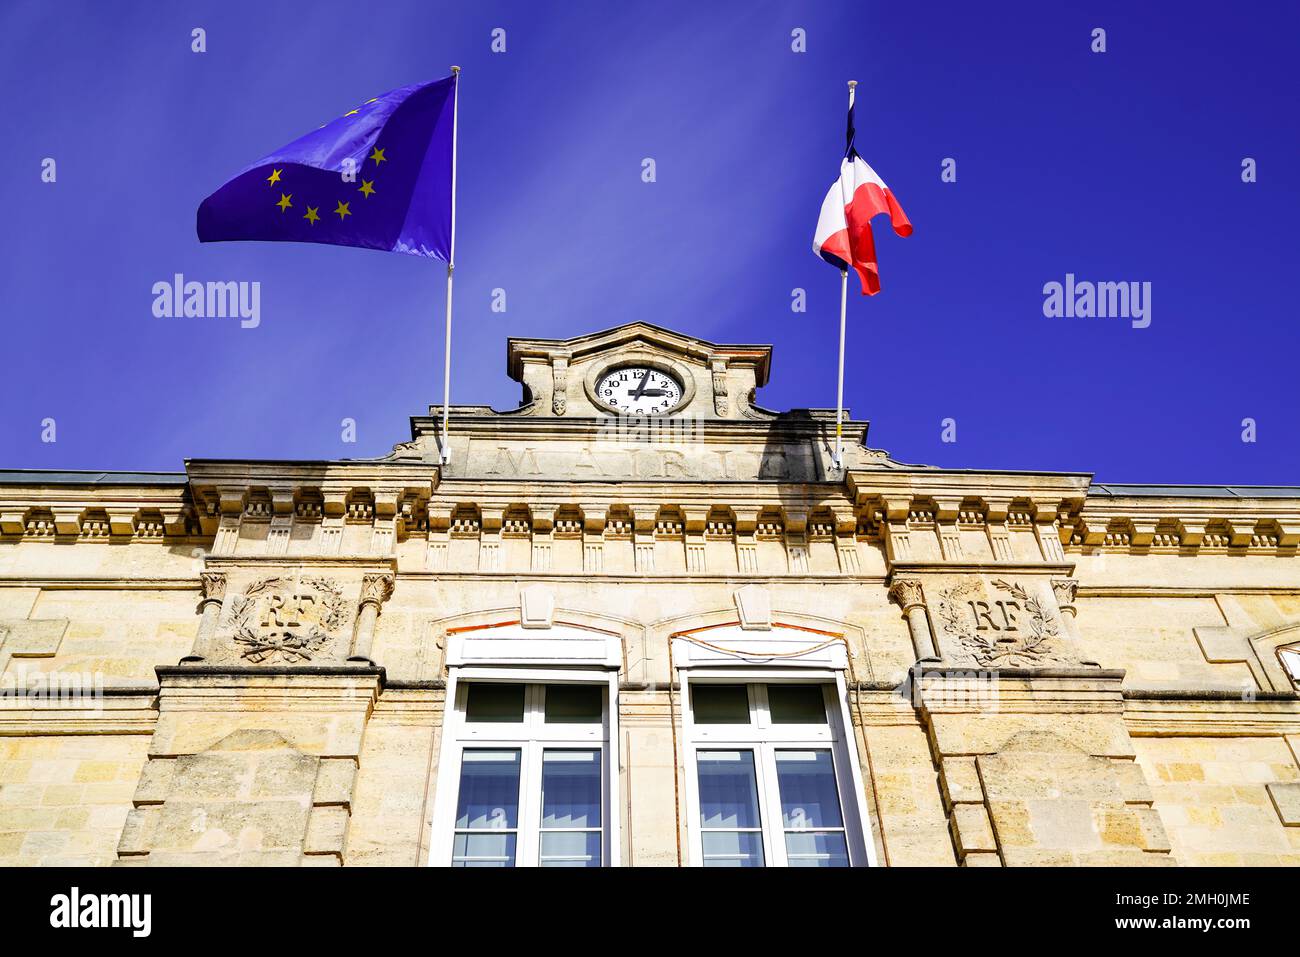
[[639, 390]]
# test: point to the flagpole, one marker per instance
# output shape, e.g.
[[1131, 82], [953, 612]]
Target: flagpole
[[451, 269], [838, 459]]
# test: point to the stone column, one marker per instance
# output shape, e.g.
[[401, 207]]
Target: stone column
[[375, 589], [214, 594], [907, 594], [1065, 589]]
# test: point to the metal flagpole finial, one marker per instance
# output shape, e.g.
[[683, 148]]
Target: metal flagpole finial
[[852, 83], [456, 69]]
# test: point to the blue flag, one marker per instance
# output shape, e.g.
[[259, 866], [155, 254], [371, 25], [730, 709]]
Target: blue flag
[[379, 176]]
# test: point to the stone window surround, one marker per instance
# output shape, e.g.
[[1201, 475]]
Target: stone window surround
[[746, 657], [532, 649]]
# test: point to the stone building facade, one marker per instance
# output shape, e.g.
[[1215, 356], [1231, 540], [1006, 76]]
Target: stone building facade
[[670, 637]]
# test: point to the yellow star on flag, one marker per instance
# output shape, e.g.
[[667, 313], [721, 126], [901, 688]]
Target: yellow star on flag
[[367, 186], [312, 214], [343, 210], [378, 156], [284, 202], [274, 177]]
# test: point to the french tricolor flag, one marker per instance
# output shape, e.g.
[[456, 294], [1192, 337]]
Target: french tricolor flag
[[843, 236]]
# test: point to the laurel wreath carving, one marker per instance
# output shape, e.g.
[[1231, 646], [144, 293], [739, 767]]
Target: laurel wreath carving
[[1030, 647], [258, 647]]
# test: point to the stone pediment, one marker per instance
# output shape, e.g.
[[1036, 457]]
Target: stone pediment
[[561, 376], [638, 402]]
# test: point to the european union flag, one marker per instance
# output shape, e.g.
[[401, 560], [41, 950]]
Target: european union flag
[[380, 176]]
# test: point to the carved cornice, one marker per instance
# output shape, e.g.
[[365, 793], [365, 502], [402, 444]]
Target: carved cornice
[[1185, 526], [84, 520]]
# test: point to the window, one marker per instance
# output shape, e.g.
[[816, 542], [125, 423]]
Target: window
[[532, 775], [1290, 657], [772, 775]]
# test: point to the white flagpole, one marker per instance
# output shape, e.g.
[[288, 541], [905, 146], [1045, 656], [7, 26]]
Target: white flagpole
[[838, 459], [451, 268]]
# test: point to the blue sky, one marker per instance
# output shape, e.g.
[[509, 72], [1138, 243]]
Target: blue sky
[[1121, 166]]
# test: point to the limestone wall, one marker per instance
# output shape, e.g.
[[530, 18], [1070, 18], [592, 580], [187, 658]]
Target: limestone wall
[[1226, 801], [267, 665], [64, 798]]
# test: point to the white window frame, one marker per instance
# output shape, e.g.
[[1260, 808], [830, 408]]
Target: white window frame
[[537, 657], [824, 666]]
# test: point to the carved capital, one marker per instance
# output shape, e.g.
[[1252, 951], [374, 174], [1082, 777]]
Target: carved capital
[[376, 588], [907, 593], [214, 586], [1065, 590]]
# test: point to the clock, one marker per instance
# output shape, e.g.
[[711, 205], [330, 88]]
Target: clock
[[639, 390]]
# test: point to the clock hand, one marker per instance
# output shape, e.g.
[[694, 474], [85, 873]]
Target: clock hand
[[645, 380]]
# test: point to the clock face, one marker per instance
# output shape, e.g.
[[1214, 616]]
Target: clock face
[[639, 390]]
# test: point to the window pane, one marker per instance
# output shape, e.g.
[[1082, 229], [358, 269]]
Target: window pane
[[494, 702], [816, 849], [728, 792], [570, 849], [720, 704], [1291, 658], [796, 704], [489, 790], [575, 704], [809, 798], [732, 848], [484, 849], [571, 789]]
